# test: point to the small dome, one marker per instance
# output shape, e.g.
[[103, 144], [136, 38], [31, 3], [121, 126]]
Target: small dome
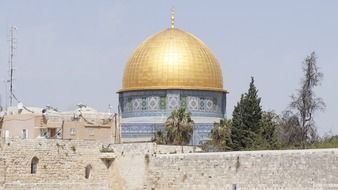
[[172, 59]]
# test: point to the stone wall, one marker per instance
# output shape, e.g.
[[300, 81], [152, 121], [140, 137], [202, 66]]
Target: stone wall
[[290, 169], [62, 164], [149, 166], [2, 172]]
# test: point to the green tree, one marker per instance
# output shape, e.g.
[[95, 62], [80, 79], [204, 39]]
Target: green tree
[[179, 127], [246, 119], [267, 137], [221, 135]]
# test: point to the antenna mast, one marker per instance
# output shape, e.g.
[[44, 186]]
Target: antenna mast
[[11, 69]]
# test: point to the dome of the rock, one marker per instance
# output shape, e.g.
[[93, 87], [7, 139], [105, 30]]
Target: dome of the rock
[[172, 59], [169, 70]]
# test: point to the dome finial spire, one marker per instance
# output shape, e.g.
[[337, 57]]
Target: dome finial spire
[[172, 17]]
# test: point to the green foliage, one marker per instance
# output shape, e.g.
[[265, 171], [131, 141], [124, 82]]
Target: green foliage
[[267, 136], [221, 135], [106, 149], [246, 119], [252, 129], [327, 142], [179, 127], [160, 138]]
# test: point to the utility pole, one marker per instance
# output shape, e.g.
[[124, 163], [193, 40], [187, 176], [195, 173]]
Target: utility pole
[[11, 68]]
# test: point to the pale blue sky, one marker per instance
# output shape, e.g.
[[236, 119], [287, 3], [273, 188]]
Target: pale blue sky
[[75, 51]]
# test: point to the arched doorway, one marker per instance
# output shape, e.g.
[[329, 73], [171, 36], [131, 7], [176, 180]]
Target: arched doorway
[[34, 165], [88, 170]]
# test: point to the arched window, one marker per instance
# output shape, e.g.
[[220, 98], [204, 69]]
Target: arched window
[[34, 165], [88, 169]]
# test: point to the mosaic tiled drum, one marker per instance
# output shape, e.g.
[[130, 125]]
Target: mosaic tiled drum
[[171, 69]]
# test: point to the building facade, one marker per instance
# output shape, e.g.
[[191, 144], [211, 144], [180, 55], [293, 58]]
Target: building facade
[[84, 123], [171, 69]]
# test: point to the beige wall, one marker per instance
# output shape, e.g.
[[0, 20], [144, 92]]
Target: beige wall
[[62, 164], [79, 130], [15, 124], [149, 166], [102, 130], [258, 170]]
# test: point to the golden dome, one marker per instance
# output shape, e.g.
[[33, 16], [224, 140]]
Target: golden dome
[[172, 59]]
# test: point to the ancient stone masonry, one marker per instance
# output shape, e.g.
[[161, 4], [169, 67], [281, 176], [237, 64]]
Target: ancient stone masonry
[[60, 164], [82, 165], [282, 170], [70, 164]]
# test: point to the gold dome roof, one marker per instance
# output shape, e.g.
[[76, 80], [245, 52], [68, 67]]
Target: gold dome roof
[[172, 59]]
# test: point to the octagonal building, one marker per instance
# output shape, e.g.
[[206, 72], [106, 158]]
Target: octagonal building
[[170, 69]]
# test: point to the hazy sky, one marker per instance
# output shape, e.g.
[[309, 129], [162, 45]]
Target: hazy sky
[[75, 51]]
